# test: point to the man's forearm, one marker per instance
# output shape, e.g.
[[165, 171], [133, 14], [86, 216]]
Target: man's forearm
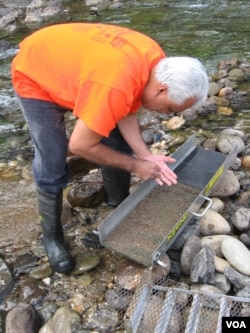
[[103, 155], [129, 127]]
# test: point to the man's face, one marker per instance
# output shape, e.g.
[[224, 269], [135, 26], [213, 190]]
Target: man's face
[[155, 98], [167, 106]]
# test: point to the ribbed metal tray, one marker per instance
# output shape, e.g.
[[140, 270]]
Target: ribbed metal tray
[[164, 306]]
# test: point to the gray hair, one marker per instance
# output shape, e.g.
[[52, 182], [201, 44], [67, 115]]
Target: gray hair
[[185, 77]]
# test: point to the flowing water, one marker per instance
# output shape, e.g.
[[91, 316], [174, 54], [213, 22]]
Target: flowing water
[[212, 30]]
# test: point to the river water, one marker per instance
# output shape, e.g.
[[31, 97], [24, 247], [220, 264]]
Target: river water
[[212, 30]]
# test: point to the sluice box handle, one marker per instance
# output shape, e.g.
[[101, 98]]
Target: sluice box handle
[[210, 202]]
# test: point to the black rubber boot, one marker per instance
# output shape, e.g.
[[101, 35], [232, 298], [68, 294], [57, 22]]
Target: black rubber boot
[[116, 183], [50, 210]]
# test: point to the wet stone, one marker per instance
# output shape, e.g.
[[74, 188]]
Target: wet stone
[[222, 283], [202, 269], [47, 311], [85, 261], [41, 271], [237, 279], [86, 195], [245, 292], [118, 299], [129, 277], [228, 185], [225, 143], [84, 279], [191, 248], [32, 291], [214, 88], [237, 254], [22, 319], [241, 219], [63, 320], [6, 281], [100, 318], [24, 263], [213, 223]]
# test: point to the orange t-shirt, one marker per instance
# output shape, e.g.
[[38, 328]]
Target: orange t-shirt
[[98, 71]]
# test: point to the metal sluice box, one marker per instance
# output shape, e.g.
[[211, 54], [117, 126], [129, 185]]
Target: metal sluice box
[[145, 225]]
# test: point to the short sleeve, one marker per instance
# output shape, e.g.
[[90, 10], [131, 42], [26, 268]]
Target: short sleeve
[[101, 107]]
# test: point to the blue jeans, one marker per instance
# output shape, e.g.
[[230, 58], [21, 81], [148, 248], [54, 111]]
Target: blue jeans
[[47, 130]]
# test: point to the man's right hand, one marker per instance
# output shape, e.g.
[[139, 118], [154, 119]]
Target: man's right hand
[[146, 169]]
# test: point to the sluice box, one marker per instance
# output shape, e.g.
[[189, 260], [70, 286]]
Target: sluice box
[[145, 225]]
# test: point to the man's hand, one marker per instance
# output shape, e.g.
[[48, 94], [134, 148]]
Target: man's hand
[[166, 175]]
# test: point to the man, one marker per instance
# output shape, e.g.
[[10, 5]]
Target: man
[[103, 74]]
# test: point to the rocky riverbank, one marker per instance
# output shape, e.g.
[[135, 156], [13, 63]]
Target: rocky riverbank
[[96, 295]]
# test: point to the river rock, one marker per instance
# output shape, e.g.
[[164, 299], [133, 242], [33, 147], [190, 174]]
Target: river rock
[[228, 83], [33, 291], [38, 11], [225, 110], [236, 74], [117, 299], [129, 277], [202, 268], [220, 264], [241, 219], [192, 246], [98, 318], [244, 198], [217, 205], [220, 101], [225, 143], [42, 271], [148, 135], [213, 88], [226, 92], [175, 123], [213, 223], [227, 186], [237, 279], [234, 132], [245, 238], [86, 261], [245, 161], [214, 242], [7, 280], [222, 283], [87, 194], [245, 292], [236, 164], [22, 319], [63, 320], [236, 253], [24, 263]]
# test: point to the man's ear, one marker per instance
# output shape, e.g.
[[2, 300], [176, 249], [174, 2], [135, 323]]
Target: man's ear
[[161, 89]]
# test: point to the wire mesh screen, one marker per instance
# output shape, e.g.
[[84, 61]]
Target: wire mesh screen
[[165, 306]]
